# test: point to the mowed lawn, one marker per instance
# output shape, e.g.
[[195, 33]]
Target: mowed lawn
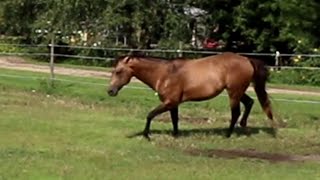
[[76, 131]]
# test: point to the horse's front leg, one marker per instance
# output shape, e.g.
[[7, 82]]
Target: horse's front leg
[[158, 110], [175, 119]]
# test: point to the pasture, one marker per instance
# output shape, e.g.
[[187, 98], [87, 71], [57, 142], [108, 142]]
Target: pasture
[[76, 131]]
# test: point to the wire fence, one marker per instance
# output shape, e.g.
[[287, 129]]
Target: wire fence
[[199, 51], [50, 54], [276, 55], [26, 77], [110, 59], [23, 54], [115, 49]]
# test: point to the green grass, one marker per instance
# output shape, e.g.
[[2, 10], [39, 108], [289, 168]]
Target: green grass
[[78, 132]]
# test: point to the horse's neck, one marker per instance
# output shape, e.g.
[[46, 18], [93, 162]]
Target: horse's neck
[[149, 72]]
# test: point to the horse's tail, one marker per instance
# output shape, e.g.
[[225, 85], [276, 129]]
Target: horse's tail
[[260, 77]]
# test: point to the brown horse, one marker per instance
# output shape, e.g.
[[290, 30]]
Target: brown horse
[[178, 81]]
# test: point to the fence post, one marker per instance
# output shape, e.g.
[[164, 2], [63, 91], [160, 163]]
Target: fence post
[[277, 63], [52, 61], [125, 40], [180, 49]]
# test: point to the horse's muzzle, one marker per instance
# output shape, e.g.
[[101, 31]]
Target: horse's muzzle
[[112, 91]]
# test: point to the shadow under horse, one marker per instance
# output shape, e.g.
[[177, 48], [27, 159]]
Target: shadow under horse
[[181, 80], [218, 131]]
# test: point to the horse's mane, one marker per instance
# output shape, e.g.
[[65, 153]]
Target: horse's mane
[[146, 57], [173, 66]]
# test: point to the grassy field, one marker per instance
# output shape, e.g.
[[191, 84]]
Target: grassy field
[[76, 131]]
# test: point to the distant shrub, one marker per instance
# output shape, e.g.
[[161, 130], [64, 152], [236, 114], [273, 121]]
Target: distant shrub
[[296, 76]]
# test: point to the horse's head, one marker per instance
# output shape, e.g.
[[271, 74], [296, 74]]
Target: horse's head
[[121, 75]]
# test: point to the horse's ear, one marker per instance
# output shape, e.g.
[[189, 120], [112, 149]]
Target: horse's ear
[[127, 59]]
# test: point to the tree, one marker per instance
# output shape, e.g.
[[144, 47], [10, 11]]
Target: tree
[[247, 25], [257, 23], [18, 16], [299, 23]]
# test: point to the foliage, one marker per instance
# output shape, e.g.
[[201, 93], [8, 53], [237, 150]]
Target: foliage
[[6, 47], [296, 76], [249, 25], [11, 49]]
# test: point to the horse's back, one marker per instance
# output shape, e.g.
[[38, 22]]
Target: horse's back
[[206, 77], [222, 64]]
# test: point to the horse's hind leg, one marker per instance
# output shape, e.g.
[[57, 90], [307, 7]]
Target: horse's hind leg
[[247, 102], [175, 119], [235, 113]]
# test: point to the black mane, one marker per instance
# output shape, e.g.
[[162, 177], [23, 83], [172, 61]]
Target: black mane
[[150, 58]]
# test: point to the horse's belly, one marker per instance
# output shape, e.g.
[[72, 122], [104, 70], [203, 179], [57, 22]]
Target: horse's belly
[[201, 93]]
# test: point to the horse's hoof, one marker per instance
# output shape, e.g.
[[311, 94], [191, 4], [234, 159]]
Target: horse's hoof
[[274, 124], [243, 124], [228, 135], [145, 135], [175, 134], [274, 132], [246, 131]]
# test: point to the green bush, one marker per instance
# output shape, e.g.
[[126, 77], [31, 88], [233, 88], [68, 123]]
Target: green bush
[[9, 44], [296, 76], [309, 62], [4, 48], [15, 45]]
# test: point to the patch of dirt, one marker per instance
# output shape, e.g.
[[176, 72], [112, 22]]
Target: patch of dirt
[[19, 64], [252, 154], [12, 59]]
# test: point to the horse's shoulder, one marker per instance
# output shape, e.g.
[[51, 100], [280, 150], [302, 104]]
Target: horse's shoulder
[[175, 66], [233, 55]]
